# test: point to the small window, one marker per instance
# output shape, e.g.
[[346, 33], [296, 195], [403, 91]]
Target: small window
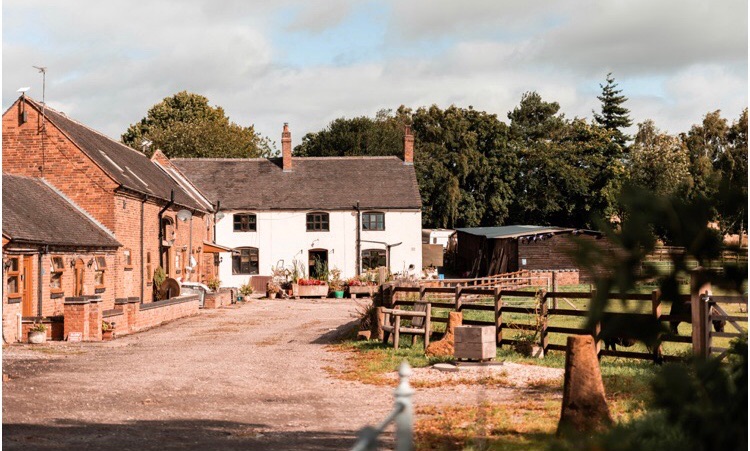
[[245, 222], [14, 277], [317, 222], [245, 261], [373, 221], [101, 266], [127, 258], [56, 275], [373, 258], [148, 268]]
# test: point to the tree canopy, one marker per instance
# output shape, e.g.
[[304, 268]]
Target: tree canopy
[[185, 125]]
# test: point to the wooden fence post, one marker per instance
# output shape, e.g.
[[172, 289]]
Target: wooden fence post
[[428, 325], [554, 288], [458, 298], [543, 338], [396, 331], [597, 328], [499, 316], [379, 320], [656, 312], [699, 291]]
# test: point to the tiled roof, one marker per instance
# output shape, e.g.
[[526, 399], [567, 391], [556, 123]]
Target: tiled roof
[[325, 183], [34, 213], [129, 167]]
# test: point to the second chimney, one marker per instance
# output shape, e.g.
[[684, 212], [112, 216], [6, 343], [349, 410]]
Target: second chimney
[[408, 146], [286, 148]]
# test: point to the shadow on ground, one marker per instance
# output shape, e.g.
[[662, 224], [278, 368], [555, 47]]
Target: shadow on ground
[[168, 435], [346, 331]]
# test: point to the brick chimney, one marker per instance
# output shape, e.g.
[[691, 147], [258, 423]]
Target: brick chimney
[[286, 148], [408, 146]]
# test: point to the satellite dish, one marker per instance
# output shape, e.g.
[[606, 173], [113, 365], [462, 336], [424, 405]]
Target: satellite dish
[[184, 215]]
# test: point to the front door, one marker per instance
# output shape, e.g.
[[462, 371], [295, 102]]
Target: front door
[[318, 263], [27, 282], [79, 271]]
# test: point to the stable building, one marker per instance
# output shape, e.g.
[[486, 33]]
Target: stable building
[[486, 251], [52, 250], [348, 213]]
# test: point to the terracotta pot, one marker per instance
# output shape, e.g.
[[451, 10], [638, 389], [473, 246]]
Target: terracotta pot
[[108, 335]]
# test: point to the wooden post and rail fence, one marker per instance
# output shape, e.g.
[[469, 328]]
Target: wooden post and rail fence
[[704, 308]]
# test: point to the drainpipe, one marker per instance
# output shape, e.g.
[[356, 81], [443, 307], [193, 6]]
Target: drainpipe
[[161, 230], [359, 241], [143, 203], [218, 208], [40, 270]]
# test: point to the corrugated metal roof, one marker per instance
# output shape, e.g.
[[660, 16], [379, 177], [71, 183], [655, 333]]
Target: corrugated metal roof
[[512, 231]]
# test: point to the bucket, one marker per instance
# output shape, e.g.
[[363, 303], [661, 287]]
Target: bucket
[[338, 294]]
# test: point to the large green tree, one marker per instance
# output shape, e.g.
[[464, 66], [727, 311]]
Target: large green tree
[[568, 171], [614, 116], [185, 125], [659, 162]]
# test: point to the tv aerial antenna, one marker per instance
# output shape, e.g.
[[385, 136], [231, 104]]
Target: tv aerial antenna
[[43, 71]]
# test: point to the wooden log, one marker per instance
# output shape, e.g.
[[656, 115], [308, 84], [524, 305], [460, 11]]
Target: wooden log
[[498, 316], [656, 312], [699, 289]]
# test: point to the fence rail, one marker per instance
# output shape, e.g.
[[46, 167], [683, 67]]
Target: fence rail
[[538, 314]]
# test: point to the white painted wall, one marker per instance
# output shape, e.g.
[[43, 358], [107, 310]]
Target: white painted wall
[[437, 236], [281, 237]]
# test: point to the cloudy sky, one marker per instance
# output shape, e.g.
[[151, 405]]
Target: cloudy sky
[[308, 63]]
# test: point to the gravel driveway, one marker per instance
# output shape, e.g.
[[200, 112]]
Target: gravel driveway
[[246, 377]]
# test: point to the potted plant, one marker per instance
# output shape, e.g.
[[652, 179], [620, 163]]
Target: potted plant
[[108, 330], [336, 285], [272, 289], [214, 284], [38, 333], [310, 287], [245, 291], [360, 285]]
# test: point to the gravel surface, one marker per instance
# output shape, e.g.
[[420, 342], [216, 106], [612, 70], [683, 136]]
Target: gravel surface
[[247, 377]]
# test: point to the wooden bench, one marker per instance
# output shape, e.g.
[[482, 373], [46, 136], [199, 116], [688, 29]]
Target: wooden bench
[[420, 323]]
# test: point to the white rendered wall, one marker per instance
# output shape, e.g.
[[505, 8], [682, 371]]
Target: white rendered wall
[[281, 237]]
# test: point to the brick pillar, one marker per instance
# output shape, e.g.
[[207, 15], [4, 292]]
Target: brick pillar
[[408, 146], [76, 316], [286, 148], [134, 306], [95, 319]]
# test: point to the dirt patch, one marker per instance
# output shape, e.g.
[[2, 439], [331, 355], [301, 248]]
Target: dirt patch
[[192, 385]]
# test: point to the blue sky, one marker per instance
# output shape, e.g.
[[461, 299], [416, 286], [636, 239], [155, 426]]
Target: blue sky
[[308, 63]]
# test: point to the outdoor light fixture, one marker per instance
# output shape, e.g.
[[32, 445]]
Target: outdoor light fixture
[[219, 216], [184, 215], [89, 263]]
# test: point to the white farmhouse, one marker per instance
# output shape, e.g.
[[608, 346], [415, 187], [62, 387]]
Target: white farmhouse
[[349, 213]]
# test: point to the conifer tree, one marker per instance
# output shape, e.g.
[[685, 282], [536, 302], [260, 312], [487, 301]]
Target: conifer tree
[[614, 116]]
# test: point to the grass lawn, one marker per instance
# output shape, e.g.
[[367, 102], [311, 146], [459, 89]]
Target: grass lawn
[[527, 423]]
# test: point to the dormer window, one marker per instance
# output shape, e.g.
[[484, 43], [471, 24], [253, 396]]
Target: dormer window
[[373, 220], [245, 222], [317, 222]]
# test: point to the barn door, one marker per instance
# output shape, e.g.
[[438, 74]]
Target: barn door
[[27, 277], [79, 271]]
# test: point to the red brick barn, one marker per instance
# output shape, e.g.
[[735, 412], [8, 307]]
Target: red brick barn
[[122, 189], [52, 251]]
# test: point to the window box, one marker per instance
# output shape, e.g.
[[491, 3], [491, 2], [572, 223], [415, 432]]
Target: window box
[[302, 291]]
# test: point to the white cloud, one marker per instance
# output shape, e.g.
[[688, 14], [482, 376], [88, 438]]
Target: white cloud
[[110, 61]]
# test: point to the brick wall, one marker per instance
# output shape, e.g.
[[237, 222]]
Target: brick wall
[[164, 311], [217, 300], [26, 149]]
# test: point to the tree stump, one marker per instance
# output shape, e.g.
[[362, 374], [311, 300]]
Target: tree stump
[[584, 407], [444, 347]]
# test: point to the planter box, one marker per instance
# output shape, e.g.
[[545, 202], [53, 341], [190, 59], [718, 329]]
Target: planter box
[[366, 290], [475, 342], [301, 291]]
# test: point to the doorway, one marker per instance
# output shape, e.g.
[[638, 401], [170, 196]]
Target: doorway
[[79, 271], [317, 263], [27, 278]]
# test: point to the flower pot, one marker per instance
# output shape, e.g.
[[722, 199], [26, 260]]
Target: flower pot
[[37, 336], [270, 295], [246, 298], [310, 290], [338, 294], [108, 335]]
